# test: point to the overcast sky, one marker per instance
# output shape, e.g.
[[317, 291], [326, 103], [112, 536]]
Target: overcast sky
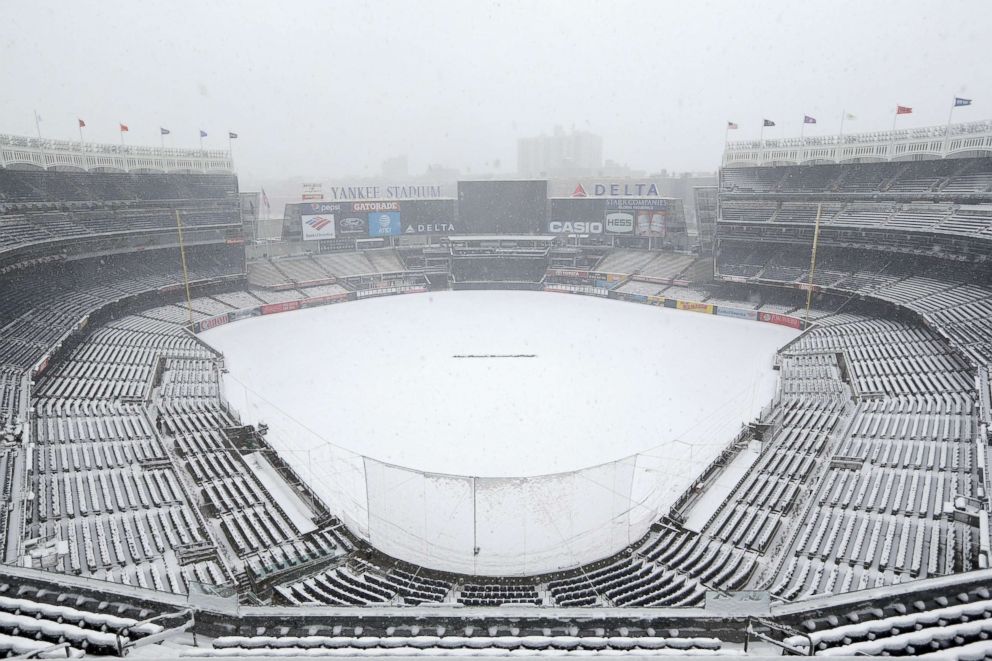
[[333, 88]]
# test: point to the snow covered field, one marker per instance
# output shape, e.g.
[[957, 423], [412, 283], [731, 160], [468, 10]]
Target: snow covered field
[[606, 379], [361, 397]]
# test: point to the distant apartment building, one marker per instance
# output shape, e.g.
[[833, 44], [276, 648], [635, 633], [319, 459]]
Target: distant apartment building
[[571, 153]]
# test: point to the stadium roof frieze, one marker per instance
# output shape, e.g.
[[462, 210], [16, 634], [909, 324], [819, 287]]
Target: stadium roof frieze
[[26, 152], [931, 142]]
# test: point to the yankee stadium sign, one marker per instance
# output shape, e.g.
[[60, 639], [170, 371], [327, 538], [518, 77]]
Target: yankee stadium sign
[[376, 192]]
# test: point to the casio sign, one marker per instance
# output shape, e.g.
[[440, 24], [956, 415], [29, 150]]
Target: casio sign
[[577, 227], [619, 222]]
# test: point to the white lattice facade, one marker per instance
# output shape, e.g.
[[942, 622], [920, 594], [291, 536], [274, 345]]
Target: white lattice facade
[[956, 140], [24, 152]]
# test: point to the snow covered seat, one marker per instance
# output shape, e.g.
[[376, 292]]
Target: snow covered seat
[[409, 652], [970, 652], [849, 633], [56, 632], [308, 645], [924, 640], [17, 645], [101, 621]]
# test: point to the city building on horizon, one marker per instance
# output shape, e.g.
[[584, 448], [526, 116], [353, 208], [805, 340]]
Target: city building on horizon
[[571, 153]]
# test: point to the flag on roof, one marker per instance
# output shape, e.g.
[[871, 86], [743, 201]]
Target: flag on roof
[[203, 133], [848, 115], [265, 199], [731, 125], [232, 135], [124, 128], [958, 101], [768, 122], [164, 131], [903, 110], [82, 124], [809, 120]]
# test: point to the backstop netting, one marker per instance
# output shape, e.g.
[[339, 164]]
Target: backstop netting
[[493, 525]]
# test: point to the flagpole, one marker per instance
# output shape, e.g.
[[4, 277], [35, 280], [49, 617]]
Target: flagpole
[[37, 123], [121, 131], [161, 137], [843, 114], [947, 129], [761, 138], [201, 140], [81, 135], [894, 118]]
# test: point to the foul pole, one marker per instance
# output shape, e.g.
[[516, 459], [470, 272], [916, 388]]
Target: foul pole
[[812, 261], [182, 253]]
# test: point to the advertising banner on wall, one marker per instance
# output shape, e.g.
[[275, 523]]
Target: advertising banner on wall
[[325, 300], [238, 315], [428, 216], [694, 306], [606, 188], [318, 226], [619, 222], [780, 319], [382, 218], [736, 313], [640, 216], [384, 223], [576, 216], [313, 191], [214, 322], [276, 308], [318, 220], [352, 224]]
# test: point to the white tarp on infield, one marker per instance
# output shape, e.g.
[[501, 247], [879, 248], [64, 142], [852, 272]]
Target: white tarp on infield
[[645, 396]]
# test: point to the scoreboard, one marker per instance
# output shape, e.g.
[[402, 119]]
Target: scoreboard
[[502, 207]]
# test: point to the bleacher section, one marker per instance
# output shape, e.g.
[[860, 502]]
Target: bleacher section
[[949, 176], [23, 187], [891, 484], [40, 305], [53, 207]]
